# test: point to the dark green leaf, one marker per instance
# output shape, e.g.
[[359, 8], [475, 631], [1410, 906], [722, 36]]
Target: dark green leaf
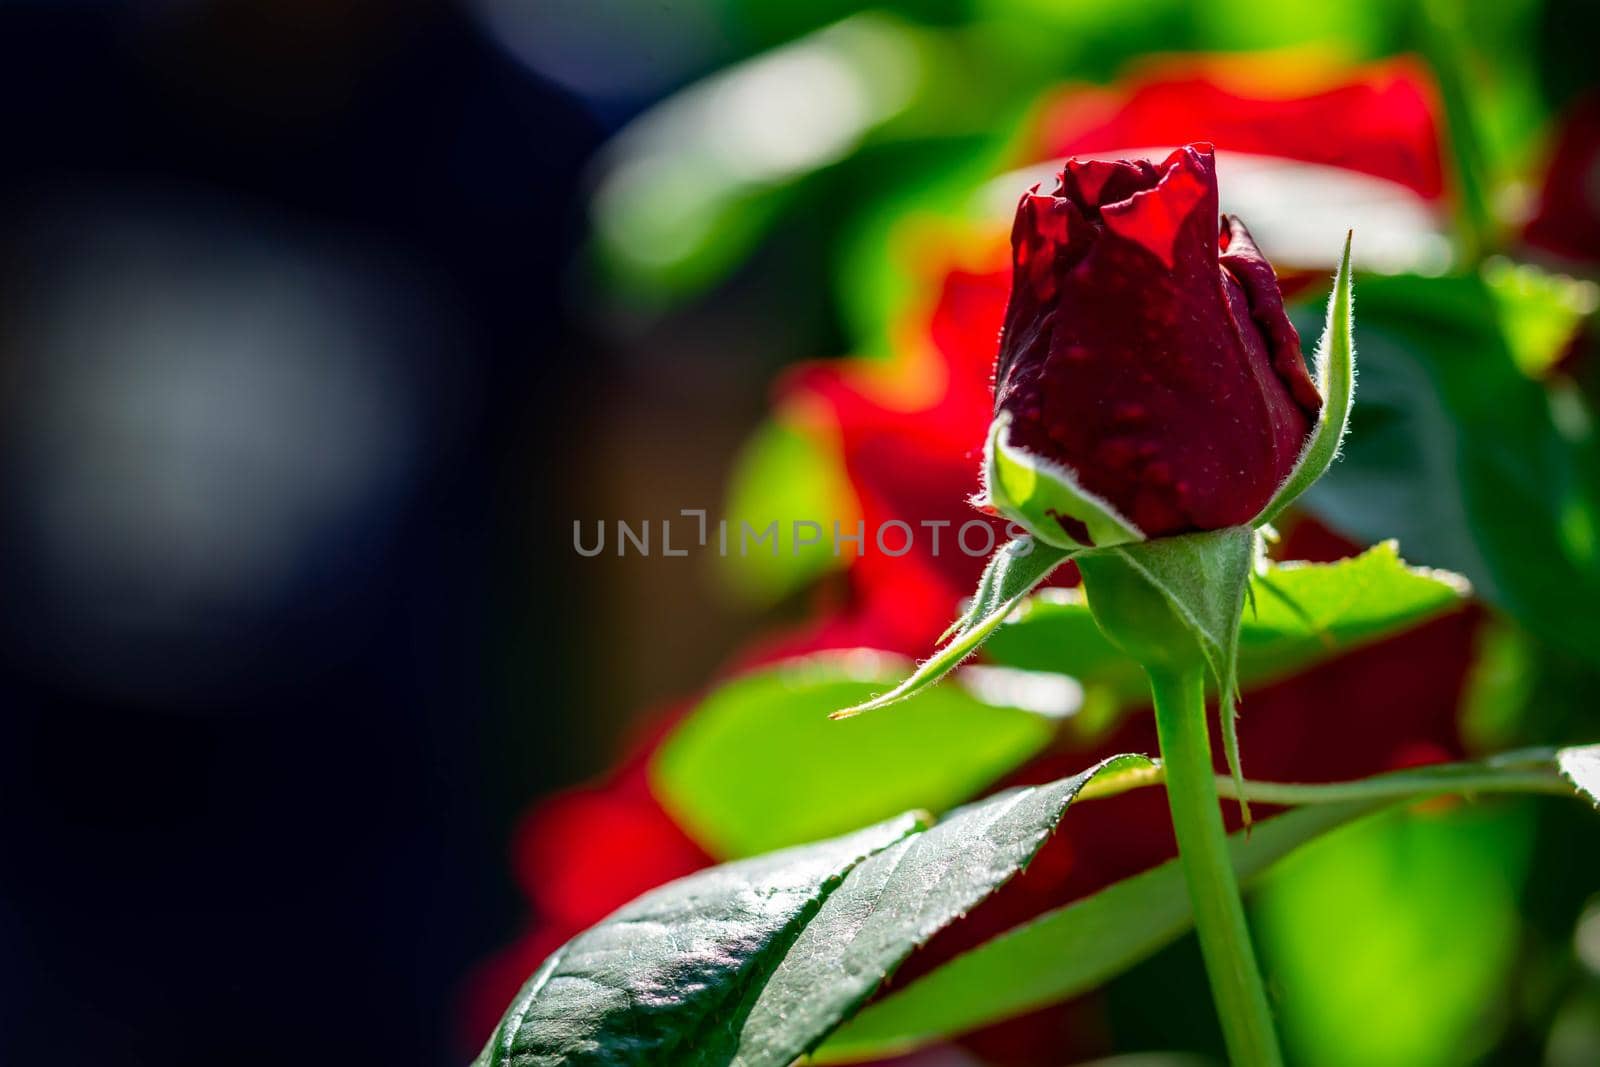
[[892, 903], [755, 962], [661, 979]]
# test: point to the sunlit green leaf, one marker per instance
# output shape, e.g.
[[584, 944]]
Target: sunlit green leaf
[[758, 765], [1500, 686], [1307, 611], [1538, 311], [1361, 25], [687, 188]]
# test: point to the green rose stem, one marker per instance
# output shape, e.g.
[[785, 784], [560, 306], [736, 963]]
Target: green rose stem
[[1140, 619], [1203, 848]]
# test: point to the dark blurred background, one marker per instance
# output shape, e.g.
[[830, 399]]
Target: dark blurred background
[[287, 401]]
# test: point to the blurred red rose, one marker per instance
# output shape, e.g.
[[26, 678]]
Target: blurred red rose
[[908, 434], [1380, 119], [1567, 223]]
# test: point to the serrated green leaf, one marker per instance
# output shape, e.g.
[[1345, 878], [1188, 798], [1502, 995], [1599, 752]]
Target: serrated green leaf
[[755, 962], [1012, 573], [1581, 767], [660, 978], [1303, 613], [1307, 611], [891, 904], [1062, 953], [758, 765], [1335, 370]]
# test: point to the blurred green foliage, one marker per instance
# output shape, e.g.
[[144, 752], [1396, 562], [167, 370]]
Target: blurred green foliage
[[1461, 455], [691, 187], [785, 471], [1391, 943]]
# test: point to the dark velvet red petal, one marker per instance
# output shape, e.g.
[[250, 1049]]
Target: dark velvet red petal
[[1162, 372], [1241, 258], [1153, 217]]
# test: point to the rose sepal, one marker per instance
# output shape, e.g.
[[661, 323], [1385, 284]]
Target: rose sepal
[[1013, 572], [1046, 497], [1334, 372]]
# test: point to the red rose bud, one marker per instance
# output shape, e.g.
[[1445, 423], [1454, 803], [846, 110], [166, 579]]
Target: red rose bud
[[1149, 382]]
